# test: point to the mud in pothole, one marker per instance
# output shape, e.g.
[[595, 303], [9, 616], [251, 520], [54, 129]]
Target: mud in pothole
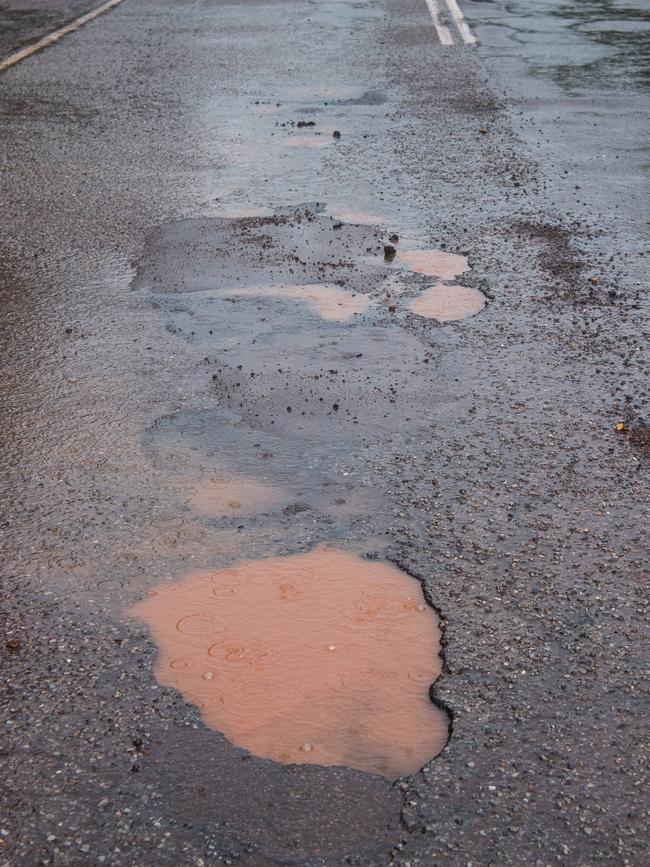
[[320, 658]]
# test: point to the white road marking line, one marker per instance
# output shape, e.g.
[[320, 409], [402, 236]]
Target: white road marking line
[[444, 34], [462, 25], [53, 37]]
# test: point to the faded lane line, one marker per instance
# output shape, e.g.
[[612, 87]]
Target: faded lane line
[[462, 25], [442, 30], [51, 38]]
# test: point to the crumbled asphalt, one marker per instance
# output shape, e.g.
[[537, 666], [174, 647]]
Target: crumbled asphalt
[[509, 491]]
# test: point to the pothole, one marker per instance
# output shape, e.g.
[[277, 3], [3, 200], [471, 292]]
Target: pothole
[[320, 91], [296, 248], [330, 302], [227, 469], [239, 212], [226, 495], [447, 303], [349, 215], [321, 658], [308, 141], [434, 263], [333, 263]]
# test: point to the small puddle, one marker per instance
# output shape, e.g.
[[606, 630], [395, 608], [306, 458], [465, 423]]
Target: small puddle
[[434, 263], [321, 658], [244, 212], [228, 495], [307, 141], [323, 92], [330, 302], [359, 218], [448, 303]]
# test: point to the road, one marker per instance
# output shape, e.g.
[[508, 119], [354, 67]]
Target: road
[[501, 459]]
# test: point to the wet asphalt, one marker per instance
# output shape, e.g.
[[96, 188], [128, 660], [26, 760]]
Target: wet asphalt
[[22, 22], [480, 456]]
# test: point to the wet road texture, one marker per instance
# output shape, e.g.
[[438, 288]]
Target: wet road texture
[[226, 349]]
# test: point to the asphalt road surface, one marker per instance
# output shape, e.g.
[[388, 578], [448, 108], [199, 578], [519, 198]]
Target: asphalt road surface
[[502, 459]]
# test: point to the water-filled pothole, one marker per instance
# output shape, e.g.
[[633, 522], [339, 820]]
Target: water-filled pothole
[[349, 215], [321, 658], [330, 302], [309, 141], [224, 494], [336, 264], [434, 263], [448, 303]]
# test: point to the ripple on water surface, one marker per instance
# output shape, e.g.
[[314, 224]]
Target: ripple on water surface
[[227, 495], [321, 658]]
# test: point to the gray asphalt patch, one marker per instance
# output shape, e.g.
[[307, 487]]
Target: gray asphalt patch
[[299, 248]]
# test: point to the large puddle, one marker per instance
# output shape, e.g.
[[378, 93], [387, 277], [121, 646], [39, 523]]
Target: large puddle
[[321, 658]]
